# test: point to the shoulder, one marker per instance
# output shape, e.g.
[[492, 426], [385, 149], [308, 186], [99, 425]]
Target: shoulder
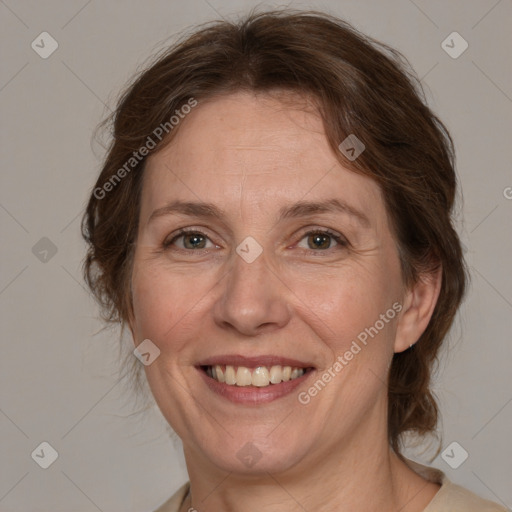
[[452, 497], [173, 504]]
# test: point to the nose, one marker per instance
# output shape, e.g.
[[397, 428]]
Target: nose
[[253, 300]]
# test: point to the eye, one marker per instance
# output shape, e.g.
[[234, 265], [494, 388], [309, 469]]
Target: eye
[[322, 240], [189, 240]]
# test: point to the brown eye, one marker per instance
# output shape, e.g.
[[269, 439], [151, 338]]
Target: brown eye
[[321, 241], [189, 240], [194, 241]]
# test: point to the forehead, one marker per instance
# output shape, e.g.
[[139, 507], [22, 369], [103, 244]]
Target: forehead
[[240, 129], [257, 149]]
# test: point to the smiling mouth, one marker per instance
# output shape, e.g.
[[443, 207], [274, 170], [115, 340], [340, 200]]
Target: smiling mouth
[[260, 376]]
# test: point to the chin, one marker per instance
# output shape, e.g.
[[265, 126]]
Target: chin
[[256, 456]]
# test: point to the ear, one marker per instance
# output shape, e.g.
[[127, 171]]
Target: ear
[[418, 307]]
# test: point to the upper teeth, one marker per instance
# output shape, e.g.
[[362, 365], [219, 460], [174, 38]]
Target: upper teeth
[[260, 376]]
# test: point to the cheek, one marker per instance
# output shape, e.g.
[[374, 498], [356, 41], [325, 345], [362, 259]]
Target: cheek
[[171, 308], [347, 302], [159, 301]]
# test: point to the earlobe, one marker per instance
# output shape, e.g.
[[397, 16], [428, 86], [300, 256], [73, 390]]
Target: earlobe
[[418, 307]]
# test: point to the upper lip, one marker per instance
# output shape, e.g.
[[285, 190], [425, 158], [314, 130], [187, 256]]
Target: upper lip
[[254, 361]]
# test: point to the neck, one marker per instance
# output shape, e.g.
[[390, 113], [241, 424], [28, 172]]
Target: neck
[[364, 474]]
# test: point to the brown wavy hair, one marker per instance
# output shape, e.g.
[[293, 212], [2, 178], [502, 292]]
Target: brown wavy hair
[[361, 87]]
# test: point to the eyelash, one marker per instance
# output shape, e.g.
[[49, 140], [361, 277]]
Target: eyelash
[[340, 240]]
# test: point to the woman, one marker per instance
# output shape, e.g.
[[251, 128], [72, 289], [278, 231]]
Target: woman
[[273, 224]]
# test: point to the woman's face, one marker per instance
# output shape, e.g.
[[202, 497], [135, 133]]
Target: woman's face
[[288, 264]]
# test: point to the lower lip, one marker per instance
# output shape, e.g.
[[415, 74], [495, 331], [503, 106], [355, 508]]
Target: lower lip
[[251, 394]]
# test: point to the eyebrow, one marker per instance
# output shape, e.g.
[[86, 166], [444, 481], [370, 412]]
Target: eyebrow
[[296, 210]]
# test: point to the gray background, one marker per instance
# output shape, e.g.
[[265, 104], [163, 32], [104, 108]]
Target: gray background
[[59, 374]]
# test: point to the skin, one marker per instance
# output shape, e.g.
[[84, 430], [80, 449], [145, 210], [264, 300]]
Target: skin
[[251, 154]]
